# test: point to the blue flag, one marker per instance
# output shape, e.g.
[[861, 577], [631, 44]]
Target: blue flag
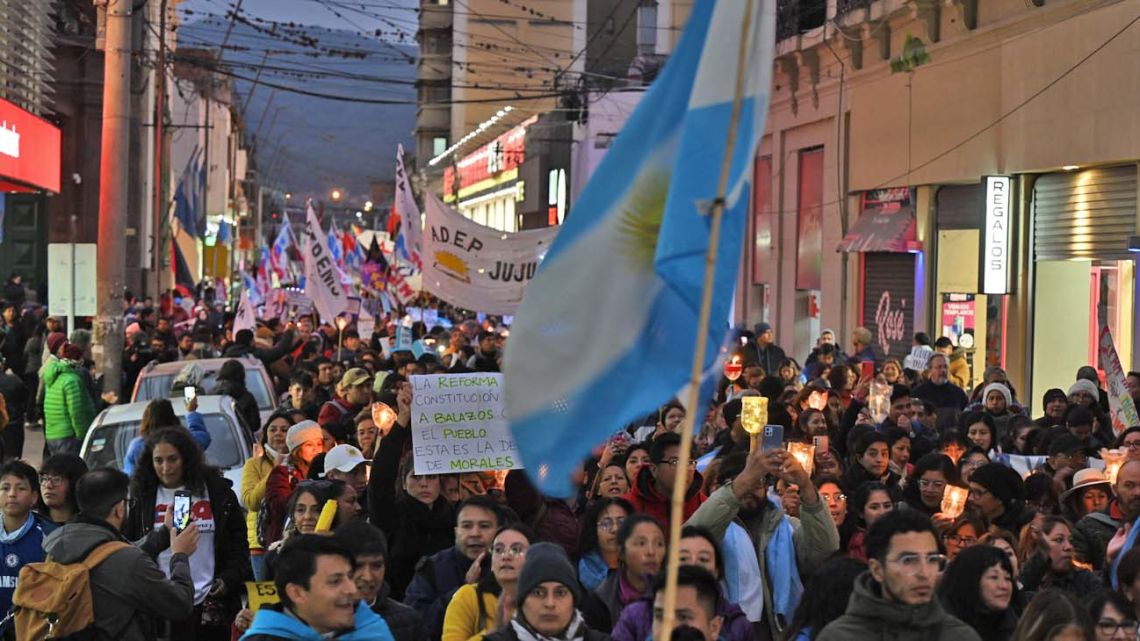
[[189, 196], [606, 329]]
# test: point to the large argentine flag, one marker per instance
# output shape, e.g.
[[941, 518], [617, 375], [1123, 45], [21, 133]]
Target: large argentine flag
[[607, 328]]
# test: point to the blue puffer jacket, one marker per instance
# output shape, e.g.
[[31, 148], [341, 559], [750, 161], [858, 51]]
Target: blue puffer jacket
[[272, 623]]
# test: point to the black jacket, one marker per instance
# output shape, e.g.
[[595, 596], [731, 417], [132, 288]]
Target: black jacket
[[245, 405], [437, 578], [231, 543], [420, 531], [405, 623], [267, 355]]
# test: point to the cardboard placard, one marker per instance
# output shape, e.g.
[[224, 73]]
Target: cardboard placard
[[459, 424], [261, 593]]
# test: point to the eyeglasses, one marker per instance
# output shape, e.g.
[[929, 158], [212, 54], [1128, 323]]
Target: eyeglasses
[[674, 461], [1132, 445], [839, 496], [979, 491], [912, 563], [610, 523], [1109, 628], [931, 485], [52, 480], [517, 549], [964, 541]]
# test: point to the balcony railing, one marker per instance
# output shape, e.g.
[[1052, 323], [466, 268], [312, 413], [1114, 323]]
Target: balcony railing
[[794, 17]]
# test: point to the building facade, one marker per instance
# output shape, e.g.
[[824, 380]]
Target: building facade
[[873, 202]]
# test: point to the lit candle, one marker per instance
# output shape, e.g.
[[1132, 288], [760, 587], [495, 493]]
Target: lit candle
[[1113, 459], [804, 455], [753, 417], [954, 501]]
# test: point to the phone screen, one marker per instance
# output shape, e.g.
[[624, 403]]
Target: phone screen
[[773, 438], [181, 510], [191, 392]]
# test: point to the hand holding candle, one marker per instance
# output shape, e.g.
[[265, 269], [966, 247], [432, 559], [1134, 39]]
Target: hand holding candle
[[804, 455], [1113, 460]]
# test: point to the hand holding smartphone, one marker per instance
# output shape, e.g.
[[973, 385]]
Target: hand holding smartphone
[[190, 392], [773, 438], [821, 444], [181, 510]]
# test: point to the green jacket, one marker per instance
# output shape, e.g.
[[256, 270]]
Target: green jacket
[[870, 616], [815, 537], [68, 408]]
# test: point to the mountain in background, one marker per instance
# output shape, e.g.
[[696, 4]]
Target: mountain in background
[[309, 144]]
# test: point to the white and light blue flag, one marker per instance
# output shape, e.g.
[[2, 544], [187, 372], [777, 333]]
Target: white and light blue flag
[[606, 329]]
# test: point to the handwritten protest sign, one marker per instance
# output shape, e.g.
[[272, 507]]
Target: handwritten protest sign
[[459, 424]]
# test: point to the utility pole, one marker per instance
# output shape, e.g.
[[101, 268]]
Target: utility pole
[[113, 181], [160, 210]]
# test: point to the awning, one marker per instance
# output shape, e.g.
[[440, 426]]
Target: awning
[[882, 230]]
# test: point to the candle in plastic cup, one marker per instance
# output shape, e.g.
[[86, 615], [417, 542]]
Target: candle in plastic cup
[[754, 414], [954, 501], [383, 416], [804, 455], [328, 513], [1113, 460]]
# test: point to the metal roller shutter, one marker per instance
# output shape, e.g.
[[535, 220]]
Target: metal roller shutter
[[960, 206], [888, 302], [1085, 214]]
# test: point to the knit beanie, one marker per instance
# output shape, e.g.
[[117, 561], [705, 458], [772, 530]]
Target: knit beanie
[[1054, 394], [54, 340], [546, 562], [1001, 481], [1000, 388], [302, 432], [1085, 386]]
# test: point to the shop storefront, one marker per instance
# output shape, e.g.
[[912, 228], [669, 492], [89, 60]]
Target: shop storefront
[[1083, 270], [486, 185], [891, 269], [974, 320], [29, 168]]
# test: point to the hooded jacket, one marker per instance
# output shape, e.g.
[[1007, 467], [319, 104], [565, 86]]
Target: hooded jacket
[[68, 410], [870, 616], [405, 623], [646, 499], [814, 535], [129, 592], [1092, 533], [274, 623]]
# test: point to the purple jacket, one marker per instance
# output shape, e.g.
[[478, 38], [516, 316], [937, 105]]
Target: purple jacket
[[636, 622]]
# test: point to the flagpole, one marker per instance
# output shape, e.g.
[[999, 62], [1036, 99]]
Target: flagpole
[[683, 457]]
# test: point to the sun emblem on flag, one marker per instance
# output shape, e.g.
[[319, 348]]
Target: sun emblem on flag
[[640, 217]]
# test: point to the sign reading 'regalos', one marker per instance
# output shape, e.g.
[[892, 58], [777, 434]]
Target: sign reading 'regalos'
[[29, 148], [459, 424]]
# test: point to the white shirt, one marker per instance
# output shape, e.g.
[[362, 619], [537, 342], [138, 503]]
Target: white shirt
[[202, 560]]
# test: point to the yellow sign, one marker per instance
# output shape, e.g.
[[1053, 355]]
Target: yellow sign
[[261, 593]]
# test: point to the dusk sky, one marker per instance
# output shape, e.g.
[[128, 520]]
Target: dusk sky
[[317, 12]]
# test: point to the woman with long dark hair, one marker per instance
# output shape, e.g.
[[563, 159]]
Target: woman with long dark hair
[[871, 501], [598, 540], [270, 453], [1051, 565], [642, 543], [979, 588], [419, 523], [159, 414], [172, 462]]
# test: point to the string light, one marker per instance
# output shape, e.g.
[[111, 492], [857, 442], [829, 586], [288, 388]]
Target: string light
[[483, 126]]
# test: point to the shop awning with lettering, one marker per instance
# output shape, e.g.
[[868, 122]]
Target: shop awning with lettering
[[29, 151], [882, 230]]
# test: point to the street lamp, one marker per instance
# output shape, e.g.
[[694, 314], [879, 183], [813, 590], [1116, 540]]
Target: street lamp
[[368, 205], [336, 194]]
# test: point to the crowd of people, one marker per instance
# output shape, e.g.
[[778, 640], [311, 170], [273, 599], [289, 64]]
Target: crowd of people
[[862, 539]]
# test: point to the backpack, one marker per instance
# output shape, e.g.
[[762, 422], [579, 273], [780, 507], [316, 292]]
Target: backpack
[[53, 600]]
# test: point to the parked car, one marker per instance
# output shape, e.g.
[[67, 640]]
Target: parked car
[[113, 429], [157, 381]]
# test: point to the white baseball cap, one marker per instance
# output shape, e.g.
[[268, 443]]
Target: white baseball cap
[[344, 458]]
